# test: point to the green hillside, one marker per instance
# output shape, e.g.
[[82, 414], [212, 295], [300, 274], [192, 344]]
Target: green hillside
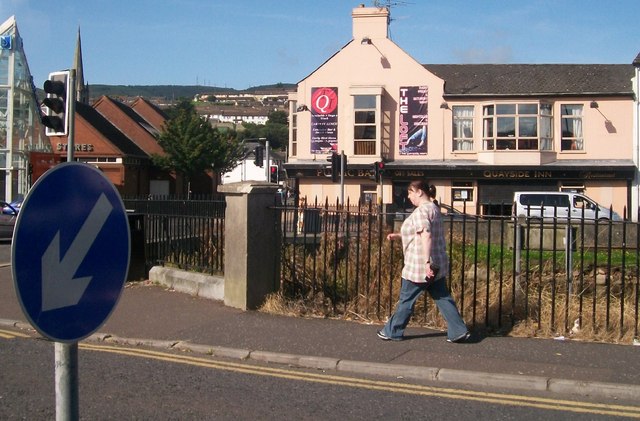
[[173, 92]]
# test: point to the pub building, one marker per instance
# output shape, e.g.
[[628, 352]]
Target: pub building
[[478, 132]]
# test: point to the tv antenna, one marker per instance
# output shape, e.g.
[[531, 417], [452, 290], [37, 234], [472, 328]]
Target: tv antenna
[[388, 4]]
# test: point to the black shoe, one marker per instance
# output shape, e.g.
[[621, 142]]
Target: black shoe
[[460, 339], [384, 337]]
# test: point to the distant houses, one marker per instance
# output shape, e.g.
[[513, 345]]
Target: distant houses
[[233, 109]]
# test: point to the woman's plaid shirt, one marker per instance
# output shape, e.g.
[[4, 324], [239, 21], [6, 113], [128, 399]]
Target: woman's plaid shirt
[[427, 218]]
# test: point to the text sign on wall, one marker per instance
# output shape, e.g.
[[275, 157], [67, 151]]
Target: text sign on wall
[[324, 120], [414, 120]]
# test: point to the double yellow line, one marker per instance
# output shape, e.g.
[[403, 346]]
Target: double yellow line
[[393, 387], [10, 334]]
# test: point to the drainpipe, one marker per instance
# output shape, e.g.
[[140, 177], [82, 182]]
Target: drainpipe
[[635, 195]]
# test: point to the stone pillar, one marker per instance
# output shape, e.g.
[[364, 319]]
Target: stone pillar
[[251, 244]]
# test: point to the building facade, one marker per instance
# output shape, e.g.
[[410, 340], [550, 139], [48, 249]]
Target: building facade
[[477, 132], [23, 143]]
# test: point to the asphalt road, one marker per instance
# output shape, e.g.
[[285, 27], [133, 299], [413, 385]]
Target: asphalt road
[[135, 383], [118, 383]]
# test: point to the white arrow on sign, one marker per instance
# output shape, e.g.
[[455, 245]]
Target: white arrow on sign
[[59, 288]]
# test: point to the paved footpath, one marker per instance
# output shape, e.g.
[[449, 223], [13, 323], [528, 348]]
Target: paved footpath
[[155, 316]]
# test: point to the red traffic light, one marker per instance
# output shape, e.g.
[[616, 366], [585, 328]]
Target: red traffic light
[[378, 170], [273, 173]]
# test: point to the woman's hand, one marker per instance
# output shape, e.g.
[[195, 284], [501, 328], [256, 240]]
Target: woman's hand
[[393, 236], [430, 272]]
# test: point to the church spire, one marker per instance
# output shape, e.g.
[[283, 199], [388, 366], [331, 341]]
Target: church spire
[[82, 90]]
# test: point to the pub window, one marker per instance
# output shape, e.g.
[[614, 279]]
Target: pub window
[[575, 188], [369, 194], [462, 191], [510, 127], [546, 128], [365, 126], [462, 128], [572, 137], [294, 130]]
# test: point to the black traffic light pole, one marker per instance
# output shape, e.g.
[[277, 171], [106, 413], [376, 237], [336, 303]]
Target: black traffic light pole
[[378, 172], [343, 164], [338, 166], [72, 116]]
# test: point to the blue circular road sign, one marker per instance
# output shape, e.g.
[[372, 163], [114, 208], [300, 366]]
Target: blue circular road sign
[[70, 251]]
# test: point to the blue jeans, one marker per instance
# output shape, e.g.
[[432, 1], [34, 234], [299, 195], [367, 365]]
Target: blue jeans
[[409, 293]]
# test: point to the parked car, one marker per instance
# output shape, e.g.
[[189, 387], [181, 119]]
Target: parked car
[[8, 220], [562, 205], [13, 207], [450, 213]]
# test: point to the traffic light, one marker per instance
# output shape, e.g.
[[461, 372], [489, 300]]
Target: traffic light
[[259, 156], [334, 158], [59, 95], [378, 170], [273, 174]]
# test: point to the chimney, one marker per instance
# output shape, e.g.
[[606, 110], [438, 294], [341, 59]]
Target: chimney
[[370, 22]]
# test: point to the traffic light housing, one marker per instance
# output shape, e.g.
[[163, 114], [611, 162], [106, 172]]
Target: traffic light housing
[[273, 174], [378, 170], [334, 158], [381, 166], [59, 96], [259, 156]]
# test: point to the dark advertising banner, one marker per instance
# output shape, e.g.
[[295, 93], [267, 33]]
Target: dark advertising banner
[[324, 120], [414, 120]]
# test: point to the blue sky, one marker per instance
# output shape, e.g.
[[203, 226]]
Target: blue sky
[[243, 43]]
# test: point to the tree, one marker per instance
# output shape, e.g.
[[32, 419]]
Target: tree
[[278, 117], [182, 105], [193, 147]]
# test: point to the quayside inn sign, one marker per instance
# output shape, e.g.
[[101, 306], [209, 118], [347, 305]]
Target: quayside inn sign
[[517, 174], [531, 174]]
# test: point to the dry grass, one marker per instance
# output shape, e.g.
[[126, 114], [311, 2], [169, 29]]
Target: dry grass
[[359, 279]]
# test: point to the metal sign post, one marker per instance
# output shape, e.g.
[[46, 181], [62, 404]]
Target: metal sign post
[[66, 354], [70, 257], [66, 374]]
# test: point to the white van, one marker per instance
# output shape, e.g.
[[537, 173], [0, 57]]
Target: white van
[[562, 205]]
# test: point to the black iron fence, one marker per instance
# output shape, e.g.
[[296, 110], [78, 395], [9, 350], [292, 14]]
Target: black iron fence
[[185, 233], [546, 276], [532, 276]]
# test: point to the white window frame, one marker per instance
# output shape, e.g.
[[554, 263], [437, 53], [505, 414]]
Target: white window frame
[[367, 147], [576, 143], [462, 140], [520, 117]]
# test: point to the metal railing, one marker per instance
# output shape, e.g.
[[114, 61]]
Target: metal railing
[[185, 233], [548, 276]]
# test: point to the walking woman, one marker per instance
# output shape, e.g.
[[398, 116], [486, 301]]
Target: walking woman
[[426, 266]]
